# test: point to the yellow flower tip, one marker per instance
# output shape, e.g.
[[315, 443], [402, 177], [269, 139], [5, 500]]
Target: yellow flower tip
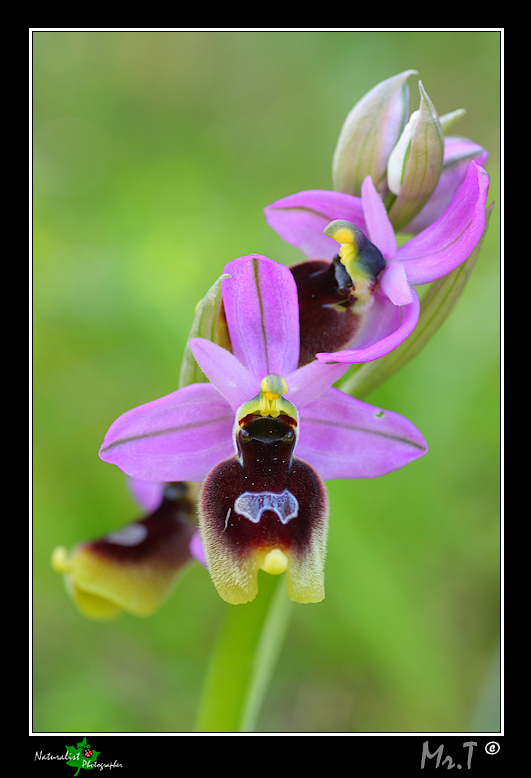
[[198, 305], [275, 562], [90, 605], [344, 235], [60, 562], [341, 230]]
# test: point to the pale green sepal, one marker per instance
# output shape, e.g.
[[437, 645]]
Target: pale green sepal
[[421, 159], [369, 134], [435, 307], [205, 325], [447, 120]]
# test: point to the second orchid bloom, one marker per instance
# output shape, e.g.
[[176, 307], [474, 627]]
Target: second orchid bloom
[[391, 175]]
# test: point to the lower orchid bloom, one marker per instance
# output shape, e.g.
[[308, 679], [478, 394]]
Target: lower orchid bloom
[[361, 304], [262, 435], [133, 569]]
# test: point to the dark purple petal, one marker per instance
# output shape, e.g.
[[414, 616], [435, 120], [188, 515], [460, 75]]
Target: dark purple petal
[[134, 567], [327, 322], [239, 543]]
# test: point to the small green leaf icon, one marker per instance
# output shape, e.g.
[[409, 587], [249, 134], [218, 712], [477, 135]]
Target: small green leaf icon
[[82, 756]]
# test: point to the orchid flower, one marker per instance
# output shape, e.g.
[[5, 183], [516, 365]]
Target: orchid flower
[[134, 568], [262, 434], [370, 309]]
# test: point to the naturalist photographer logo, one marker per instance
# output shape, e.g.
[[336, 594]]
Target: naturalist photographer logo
[[81, 757]]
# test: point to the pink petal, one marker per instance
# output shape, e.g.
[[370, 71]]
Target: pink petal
[[197, 550], [234, 381], [310, 381], [148, 494], [342, 437], [457, 155], [301, 218], [450, 240], [262, 310], [379, 229], [385, 326], [394, 284], [457, 148], [179, 437]]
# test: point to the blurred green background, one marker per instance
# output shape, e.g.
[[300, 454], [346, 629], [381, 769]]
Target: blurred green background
[[154, 155]]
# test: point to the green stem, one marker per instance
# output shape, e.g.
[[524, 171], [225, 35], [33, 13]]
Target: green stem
[[244, 658]]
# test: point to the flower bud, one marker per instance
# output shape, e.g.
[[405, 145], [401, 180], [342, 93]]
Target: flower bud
[[415, 163], [369, 134]]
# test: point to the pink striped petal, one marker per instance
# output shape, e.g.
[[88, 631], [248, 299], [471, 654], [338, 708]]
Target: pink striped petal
[[450, 240], [342, 437], [379, 229], [197, 550], [179, 437], [301, 218], [262, 310]]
